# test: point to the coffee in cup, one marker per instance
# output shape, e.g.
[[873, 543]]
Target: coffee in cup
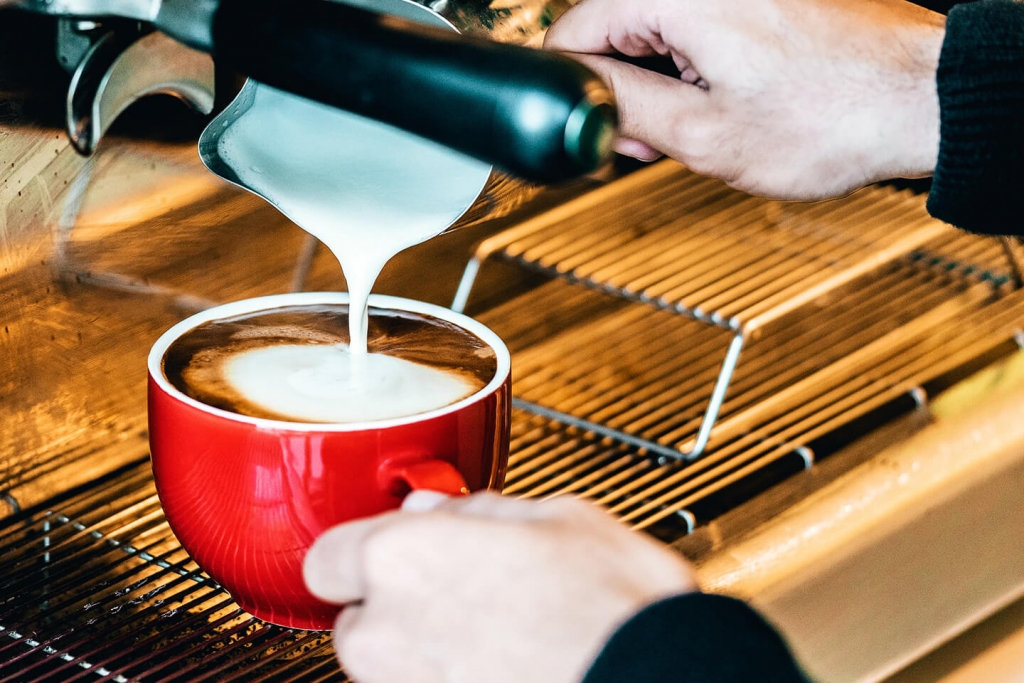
[[295, 363], [247, 494]]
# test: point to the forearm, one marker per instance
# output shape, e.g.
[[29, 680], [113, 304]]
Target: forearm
[[980, 171]]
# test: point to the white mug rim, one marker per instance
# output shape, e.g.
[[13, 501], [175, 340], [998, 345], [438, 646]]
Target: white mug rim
[[255, 304]]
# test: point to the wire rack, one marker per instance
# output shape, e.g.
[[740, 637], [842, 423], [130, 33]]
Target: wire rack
[[847, 313], [99, 589], [721, 273]]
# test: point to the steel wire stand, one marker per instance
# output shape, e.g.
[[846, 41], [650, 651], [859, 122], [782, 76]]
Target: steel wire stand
[[669, 239]]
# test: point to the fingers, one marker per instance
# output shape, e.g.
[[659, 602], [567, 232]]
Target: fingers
[[481, 504], [332, 569], [348, 620], [423, 501], [335, 566], [585, 27], [432, 577], [491, 505], [485, 504], [606, 27], [656, 111], [636, 149]]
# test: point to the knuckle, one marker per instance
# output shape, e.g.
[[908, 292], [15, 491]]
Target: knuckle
[[355, 652], [367, 652], [486, 497], [567, 506], [394, 554], [386, 545]]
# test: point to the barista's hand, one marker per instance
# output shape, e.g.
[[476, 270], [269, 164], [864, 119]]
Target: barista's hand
[[792, 99], [485, 588]]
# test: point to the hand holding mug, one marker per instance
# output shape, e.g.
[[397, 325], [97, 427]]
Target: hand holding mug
[[485, 588], [246, 489]]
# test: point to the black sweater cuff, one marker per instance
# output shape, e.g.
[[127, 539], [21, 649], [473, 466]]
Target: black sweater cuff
[[695, 638], [980, 172]]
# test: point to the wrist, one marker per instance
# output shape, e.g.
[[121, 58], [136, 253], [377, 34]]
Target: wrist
[[914, 111]]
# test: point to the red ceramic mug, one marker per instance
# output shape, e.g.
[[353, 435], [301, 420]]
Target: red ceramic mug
[[247, 496]]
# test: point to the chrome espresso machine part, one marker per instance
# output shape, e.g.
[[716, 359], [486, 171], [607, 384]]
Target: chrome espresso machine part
[[535, 114]]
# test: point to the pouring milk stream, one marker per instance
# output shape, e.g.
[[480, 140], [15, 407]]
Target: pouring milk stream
[[366, 191]]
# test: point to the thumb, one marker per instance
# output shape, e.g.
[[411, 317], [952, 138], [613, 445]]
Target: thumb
[[654, 109]]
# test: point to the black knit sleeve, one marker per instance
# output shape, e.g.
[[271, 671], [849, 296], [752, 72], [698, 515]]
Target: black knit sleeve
[[979, 178], [695, 638]]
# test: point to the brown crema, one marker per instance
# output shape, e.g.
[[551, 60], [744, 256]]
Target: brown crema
[[194, 363]]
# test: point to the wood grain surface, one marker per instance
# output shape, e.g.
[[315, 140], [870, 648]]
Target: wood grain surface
[[99, 256]]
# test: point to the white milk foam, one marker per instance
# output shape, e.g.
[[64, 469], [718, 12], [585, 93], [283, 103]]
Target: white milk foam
[[364, 189], [314, 383]]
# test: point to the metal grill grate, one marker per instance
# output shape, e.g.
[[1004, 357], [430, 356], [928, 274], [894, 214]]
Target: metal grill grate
[[847, 313], [691, 245], [794, 287], [790, 398], [99, 589]]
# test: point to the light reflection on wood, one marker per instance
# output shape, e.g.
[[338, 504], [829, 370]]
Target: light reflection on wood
[[85, 289]]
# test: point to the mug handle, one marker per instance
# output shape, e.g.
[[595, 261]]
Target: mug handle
[[401, 476]]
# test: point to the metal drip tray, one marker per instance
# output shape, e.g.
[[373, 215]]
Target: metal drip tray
[[812, 294], [601, 402], [629, 387], [98, 588]]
